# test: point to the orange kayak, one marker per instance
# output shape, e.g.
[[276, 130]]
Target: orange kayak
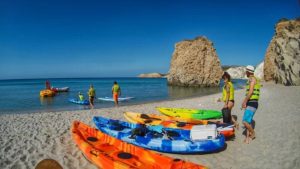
[[110, 153]]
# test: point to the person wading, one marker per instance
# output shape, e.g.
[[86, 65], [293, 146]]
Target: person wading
[[92, 95], [116, 92], [250, 103]]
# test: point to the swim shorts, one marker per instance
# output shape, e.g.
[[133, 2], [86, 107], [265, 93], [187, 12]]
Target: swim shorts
[[248, 114], [116, 96]]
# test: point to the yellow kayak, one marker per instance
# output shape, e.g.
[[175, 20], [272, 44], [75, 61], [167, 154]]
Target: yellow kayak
[[47, 93], [154, 119], [172, 122]]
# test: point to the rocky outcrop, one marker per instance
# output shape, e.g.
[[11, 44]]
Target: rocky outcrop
[[282, 61], [151, 75], [259, 71], [195, 63], [269, 64], [237, 72]]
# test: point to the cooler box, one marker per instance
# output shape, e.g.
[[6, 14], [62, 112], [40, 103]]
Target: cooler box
[[201, 132]]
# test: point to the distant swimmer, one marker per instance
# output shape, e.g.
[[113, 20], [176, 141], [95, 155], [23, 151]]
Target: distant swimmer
[[92, 95], [116, 92], [250, 103]]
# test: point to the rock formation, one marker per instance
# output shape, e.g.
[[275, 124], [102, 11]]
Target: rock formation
[[195, 63], [237, 72], [259, 71], [269, 64], [151, 75], [282, 61]]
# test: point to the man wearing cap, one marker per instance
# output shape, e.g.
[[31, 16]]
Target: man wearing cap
[[250, 103]]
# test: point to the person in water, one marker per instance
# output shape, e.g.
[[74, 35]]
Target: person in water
[[80, 95], [116, 92], [48, 85], [250, 103], [228, 99], [92, 95]]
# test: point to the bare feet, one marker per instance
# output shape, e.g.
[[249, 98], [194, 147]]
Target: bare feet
[[252, 135], [247, 140], [237, 125]]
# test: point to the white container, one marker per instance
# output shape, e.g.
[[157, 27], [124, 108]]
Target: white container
[[202, 132]]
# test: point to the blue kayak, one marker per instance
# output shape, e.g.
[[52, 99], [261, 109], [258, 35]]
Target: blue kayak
[[76, 101], [158, 138]]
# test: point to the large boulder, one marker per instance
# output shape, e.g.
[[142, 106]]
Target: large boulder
[[284, 53], [237, 72], [259, 71], [195, 63]]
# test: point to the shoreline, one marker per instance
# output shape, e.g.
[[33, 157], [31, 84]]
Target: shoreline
[[26, 139]]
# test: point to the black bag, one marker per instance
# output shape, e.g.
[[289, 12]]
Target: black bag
[[226, 115]]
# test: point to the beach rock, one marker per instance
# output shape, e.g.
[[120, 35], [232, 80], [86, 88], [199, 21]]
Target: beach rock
[[151, 75], [259, 71], [195, 63], [282, 61], [269, 64], [237, 72]]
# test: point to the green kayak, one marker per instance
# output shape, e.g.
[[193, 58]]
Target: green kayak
[[190, 113]]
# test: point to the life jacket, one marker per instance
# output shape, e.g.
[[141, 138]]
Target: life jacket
[[92, 92], [231, 92], [256, 90], [81, 97], [116, 88]]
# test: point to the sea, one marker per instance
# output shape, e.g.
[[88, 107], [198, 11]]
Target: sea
[[22, 95]]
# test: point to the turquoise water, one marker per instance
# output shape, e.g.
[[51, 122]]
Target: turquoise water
[[20, 96]]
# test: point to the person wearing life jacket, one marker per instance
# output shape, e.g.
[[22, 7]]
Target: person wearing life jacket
[[116, 92], [250, 103], [81, 98], [92, 95], [228, 99]]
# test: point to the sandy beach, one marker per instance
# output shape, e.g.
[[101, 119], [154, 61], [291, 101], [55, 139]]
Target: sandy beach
[[26, 139]]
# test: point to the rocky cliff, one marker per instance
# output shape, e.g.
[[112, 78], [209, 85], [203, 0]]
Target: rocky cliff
[[195, 63], [282, 61], [259, 71], [237, 72]]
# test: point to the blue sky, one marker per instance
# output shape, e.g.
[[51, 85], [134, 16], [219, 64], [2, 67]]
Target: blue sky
[[124, 38]]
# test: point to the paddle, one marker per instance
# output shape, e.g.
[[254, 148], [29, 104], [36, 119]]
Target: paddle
[[148, 118]]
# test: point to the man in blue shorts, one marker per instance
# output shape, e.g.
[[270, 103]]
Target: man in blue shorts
[[250, 103]]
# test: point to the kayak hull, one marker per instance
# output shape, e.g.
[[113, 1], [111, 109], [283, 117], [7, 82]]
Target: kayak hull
[[109, 153], [190, 113], [152, 119], [181, 144], [62, 89], [110, 99], [47, 93], [76, 101]]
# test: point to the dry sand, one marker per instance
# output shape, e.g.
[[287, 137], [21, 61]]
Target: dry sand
[[26, 139]]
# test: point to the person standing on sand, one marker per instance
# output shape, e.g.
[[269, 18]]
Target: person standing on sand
[[250, 103], [228, 99], [116, 92], [92, 95]]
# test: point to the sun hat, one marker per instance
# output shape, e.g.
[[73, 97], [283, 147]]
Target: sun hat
[[250, 69]]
